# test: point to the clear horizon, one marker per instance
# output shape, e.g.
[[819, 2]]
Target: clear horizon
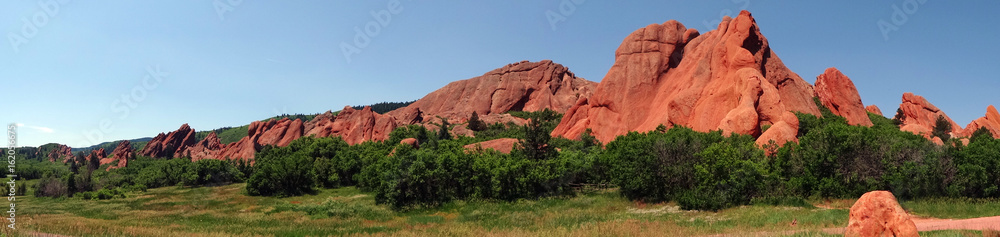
[[139, 69]]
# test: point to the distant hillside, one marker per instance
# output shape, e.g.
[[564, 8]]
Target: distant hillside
[[137, 144], [226, 134], [232, 134]]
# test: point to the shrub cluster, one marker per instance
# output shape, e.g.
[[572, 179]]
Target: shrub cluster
[[308, 163], [698, 170], [427, 177]]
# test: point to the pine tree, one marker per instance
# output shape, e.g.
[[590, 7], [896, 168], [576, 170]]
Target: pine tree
[[535, 144], [443, 133], [475, 124], [898, 119], [942, 128], [93, 163]]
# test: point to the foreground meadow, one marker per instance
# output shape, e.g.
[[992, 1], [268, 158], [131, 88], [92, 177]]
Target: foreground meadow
[[226, 211]]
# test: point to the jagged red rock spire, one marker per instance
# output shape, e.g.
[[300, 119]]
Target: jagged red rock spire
[[728, 78], [991, 121], [122, 153], [172, 144]]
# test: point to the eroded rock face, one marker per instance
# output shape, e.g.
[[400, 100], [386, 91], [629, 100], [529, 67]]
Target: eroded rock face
[[837, 92], [727, 79], [279, 133], [170, 145], [877, 213], [357, 126], [522, 86], [98, 154], [921, 116], [208, 148], [990, 121], [875, 110], [502, 145], [122, 153], [271, 132]]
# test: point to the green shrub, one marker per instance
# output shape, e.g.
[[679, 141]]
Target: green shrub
[[212, 172], [727, 174], [429, 177], [977, 166], [655, 166], [51, 186], [281, 172], [834, 159]]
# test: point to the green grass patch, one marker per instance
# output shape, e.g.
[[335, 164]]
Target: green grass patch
[[953, 208], [227, 211]]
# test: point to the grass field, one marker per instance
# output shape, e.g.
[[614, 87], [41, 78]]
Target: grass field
[[226, 211]]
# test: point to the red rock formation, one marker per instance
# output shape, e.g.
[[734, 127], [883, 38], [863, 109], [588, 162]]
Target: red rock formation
[[877, 213], [921, 116], [98, 154], [61, 153], [357, 126], [122, 153], [271, 132], [319, 125], [727, 79], [208, 148], [281, 132], [991, 122], [522, 86], [170, 145], [838, 93], [412, 142], [503, 145], [243, 149], [875, 110]]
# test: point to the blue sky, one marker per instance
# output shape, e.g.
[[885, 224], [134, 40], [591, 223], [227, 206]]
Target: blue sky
[[178, 62]]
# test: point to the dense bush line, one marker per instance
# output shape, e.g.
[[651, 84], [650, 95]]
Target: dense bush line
[[708, 171], [426, 177], [92, 182], [698, 170]]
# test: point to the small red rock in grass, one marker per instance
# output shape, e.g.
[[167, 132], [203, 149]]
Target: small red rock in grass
[[877, 213]]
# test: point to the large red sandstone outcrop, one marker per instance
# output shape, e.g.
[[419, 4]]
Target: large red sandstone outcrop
[[271, 132], [208, 148], [172, 144], [728, 79], [877, 213], [354, 126], [60, 153], [522, 86], [922, 115], [990, 121], [837, 92], [502, 145], [122, 153]]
